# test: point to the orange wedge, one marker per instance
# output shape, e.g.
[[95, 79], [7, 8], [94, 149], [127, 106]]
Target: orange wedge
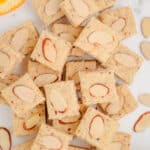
[[9, 5]]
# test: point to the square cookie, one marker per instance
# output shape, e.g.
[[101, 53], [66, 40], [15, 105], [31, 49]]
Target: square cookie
[[103, 4], [6, 82], [98, 40], [24, 146], [31, 123], [68, 33], [42, 75], [65, 92], [120, 20], [125, 104], [9, 58], [48, 10], [97, 129], [121, 141], [78, 11], [98, 86], [125, 62], [50, 138], [25, 33], [23, 95], [73, 68], [51, 51]]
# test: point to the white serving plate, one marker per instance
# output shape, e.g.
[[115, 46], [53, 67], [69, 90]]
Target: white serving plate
[[141, 84]]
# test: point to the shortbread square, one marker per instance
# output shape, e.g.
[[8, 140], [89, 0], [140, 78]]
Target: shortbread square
[[121, 141], [22, 38], [24, 146], [125, 104], [50, 138], [30, 124], [51, 51], [97, 129], [98, 40], [125, 62], [98, 86], [104, 4], [65, 92], [42, 75], [48, 10], [9, 58], [6, 82], [78, 11], [68, 33], [23, 95], [120, 20], [73, 68]]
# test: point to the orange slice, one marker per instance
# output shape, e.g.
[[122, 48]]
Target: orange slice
[[9, 5]]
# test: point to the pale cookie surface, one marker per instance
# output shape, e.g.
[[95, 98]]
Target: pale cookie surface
[[26, 34], [50, 138], [120, 20], [98, 86], [73, 68], [97, 129], [51, 51], [145, 49], [48, 10], [98, 40], [9, 58], [30, 124], [145, 27], [24, 146], [68, 33], [23, 95], [41, 74], [4, 83], [125, 62], [67, 106], [125, 104], [78, 10]]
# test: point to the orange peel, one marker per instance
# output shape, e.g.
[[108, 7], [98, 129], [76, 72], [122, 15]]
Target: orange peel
[[7, 6]]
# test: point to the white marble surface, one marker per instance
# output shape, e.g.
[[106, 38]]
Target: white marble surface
[[140, 141]]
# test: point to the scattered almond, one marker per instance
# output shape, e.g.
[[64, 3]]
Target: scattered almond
[[145, 27], [145, 49], [145, 99]]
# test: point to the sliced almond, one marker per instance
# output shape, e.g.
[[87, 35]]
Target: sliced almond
[[32, 122], [145, 99], [52, 142], [5, 139], [114, 108], [24, 93], [145, 27], [4, 60], [119, 24], [145, 49], [20, 38], [96, 127], [116, 146], [100, 38], [126, 60], [58, 102], [98, 90], [75, 77], [80, 7], [52, 7], [47, 78], [143, 122], [49, 50]]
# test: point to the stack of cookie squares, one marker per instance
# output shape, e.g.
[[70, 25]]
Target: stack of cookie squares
[[70, 87]]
